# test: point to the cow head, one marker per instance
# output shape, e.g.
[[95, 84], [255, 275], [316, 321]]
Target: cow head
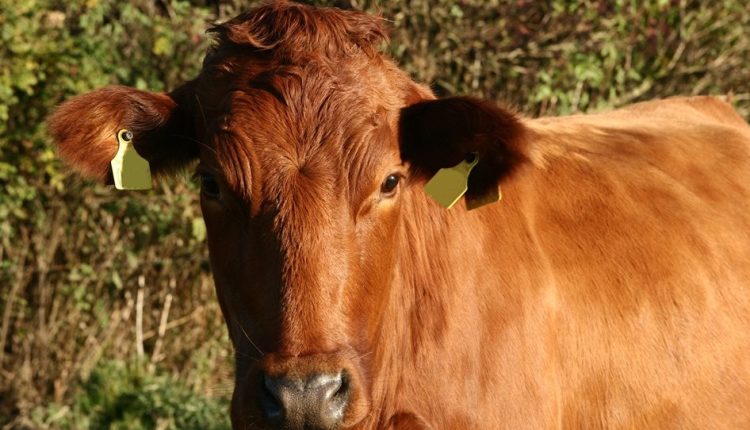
[[310, 149]]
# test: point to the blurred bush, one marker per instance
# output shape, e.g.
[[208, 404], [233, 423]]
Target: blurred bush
[[118, 396], [89, 278], [563, 56], [87, 274]]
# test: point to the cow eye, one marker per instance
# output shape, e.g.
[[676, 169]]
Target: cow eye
[[209, 186], [390, 184]]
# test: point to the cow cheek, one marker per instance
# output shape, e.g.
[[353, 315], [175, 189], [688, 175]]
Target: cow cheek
[[243, 272], [377, 240]]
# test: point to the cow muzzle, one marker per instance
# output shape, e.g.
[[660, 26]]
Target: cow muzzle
[[290, 391], [317, 401]]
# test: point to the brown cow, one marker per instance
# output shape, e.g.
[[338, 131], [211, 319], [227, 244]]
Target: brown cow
[[609, 289]]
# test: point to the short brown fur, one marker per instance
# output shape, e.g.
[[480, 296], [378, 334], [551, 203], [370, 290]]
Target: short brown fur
[[609, 289]]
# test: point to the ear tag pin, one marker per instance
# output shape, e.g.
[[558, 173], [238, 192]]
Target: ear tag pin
[[130, 170], [451, 183]]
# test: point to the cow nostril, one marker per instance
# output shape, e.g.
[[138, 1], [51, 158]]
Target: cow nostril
[[343, 389], [335, 403], [270, 400], [329, 384]]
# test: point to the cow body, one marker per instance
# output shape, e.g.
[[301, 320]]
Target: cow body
[[610, 288]]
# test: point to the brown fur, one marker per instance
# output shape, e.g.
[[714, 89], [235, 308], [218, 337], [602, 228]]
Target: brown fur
[[156, 120], [609, 289]]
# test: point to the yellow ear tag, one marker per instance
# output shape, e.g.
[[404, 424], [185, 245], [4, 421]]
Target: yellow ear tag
[[130, 170], [450, 184], [493, 196]]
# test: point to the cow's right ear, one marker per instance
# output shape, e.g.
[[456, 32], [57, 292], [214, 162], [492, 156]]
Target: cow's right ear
[[435, 134], [85, 129]]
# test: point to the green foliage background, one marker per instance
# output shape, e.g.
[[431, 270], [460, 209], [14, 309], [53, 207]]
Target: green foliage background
[[107, 312]]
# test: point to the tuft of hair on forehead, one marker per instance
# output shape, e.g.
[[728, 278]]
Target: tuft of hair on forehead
[[290, 30]]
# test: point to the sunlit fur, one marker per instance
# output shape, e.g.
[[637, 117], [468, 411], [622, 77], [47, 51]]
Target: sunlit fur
[[610, 288]]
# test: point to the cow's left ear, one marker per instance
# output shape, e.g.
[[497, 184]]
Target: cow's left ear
[[85, 129], [440, 133]]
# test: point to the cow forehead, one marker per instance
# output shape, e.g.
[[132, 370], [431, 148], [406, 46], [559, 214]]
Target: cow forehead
[[274, 125]]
